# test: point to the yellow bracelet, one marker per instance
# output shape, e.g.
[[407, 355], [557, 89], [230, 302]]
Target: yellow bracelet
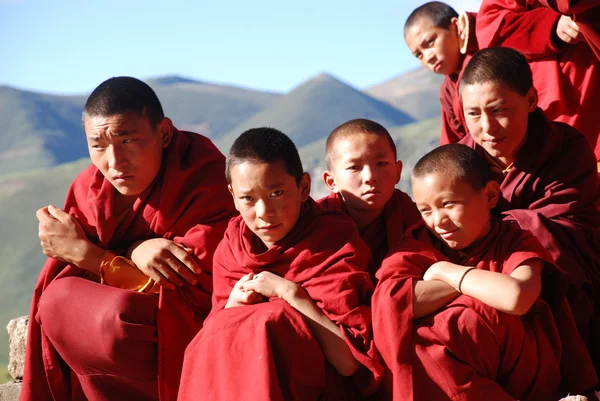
[[460, 279]]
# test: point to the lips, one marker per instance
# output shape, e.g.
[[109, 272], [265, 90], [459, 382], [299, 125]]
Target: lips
[[437, 67], [122, 177], [446, 234], [372, 192], [269, 227]]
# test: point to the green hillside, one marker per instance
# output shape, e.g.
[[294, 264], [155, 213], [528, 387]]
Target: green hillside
[[313, 109], [21, 194]]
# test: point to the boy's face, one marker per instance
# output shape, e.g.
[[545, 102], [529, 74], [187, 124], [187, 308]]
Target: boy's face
[[497, 117], [364, 171], [268, 198], [437, 49], [453, 211]]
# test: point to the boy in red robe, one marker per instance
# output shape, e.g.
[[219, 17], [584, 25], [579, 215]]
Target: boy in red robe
[[362, 172], [443, 41], [469, 307], [560, 50], [290, 318], [127, 283], [546, 171]]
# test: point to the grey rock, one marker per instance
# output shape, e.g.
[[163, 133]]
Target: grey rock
[[10, 391], [17, 333]]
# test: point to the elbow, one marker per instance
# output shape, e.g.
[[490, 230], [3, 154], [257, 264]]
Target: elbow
[[349, 368], [519, 302]]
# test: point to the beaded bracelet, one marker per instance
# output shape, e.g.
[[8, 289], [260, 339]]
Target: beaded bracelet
[[460, 279]]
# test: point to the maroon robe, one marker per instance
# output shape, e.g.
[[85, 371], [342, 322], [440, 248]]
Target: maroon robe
[[454, 127], [188, 203], [266, 350], [552, 191], [567, 76], [400, 213], [468, 350]]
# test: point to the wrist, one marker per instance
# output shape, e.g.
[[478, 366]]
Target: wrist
[[291, 292], [88, 256]]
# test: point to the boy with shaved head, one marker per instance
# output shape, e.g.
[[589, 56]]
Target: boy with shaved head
[[290, 318], [362, 172], [443, 42], [546, 171], [127, 282], [561, 41], [469, 307]]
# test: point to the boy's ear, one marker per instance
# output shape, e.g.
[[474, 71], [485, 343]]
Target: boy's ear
[[492, 190], [462, 30], [398, 170], [329, 181], [230, 189], [532, 99], [304, 187], [165, 130]]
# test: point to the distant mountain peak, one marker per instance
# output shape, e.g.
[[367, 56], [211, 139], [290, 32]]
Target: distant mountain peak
[[172, 80]]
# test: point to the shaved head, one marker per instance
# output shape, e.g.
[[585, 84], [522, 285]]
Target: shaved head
[[439, 14], [352, 128], [454, 162]]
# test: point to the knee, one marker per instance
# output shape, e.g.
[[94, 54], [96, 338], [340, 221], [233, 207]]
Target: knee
[[54, 302]]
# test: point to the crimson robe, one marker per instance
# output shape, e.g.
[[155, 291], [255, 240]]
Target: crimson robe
[[266, 350], [468, 350], [400, 212], [454, 127], [188, 203], [566, 76], [552, 191]]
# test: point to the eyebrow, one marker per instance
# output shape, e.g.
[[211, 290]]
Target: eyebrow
[[96, 138]]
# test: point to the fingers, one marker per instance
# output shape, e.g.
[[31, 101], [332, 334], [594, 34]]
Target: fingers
[[243, 280], [42, 214], [173, 267], [161, 280], [185, 258], [59, 214]]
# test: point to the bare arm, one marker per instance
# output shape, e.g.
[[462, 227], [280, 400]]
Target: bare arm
[[514, 294], [327, 333], [429, 296]]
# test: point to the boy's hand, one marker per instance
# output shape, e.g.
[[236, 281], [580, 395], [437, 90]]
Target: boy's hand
[[567, 30], [240, 296], [271, 285]]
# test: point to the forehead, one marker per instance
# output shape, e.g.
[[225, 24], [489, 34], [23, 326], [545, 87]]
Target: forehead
[[435, 185], [115, 123], [249, 176], [360, 145], [420, 27], [488, 92]]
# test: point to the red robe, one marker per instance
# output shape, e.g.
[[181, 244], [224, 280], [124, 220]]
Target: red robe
[[454, 127], [552, 191], [266, 351], [400, 213], [188, 203], [567, 77], [468, 350]]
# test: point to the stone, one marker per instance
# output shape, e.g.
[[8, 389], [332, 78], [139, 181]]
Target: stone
[[17, 336], [10, 391]]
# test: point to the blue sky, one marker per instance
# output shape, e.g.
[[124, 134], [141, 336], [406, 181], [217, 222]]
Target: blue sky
[[70, 46]]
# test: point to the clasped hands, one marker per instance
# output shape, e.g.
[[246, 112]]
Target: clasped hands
[[255, 288]]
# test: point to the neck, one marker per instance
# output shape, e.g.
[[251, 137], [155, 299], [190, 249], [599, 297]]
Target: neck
[[362, 218], [123, 202]]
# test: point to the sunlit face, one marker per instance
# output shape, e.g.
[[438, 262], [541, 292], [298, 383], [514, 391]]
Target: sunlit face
[[497, 117], [268, 198], [127, 149], [452, 210], [364, 171], [437, 49]]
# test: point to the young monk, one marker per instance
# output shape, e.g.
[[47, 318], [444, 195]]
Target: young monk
[[469, 307], [127, 283], [362, 172], [546, 171], [443, 41], [290, 318], [559, 39]]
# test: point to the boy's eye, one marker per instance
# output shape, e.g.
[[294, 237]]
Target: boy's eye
[[382, 163], [128, 140], [424, 211], [498, 110], [353, 168], [246, 198], [418, 56], [448, 203], [275, 194]]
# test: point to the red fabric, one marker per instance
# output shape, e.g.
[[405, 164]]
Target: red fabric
[[400, 213], [567, 77], [552, 191], [454, 127], [240, 350], [468, 350], [188, 203]]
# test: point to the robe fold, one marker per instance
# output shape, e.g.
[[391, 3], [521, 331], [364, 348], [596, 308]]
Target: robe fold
[[266, 351], [552, 191], [454, 127], [399, 214], [566, 76], [188, 203], [468, 350]]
